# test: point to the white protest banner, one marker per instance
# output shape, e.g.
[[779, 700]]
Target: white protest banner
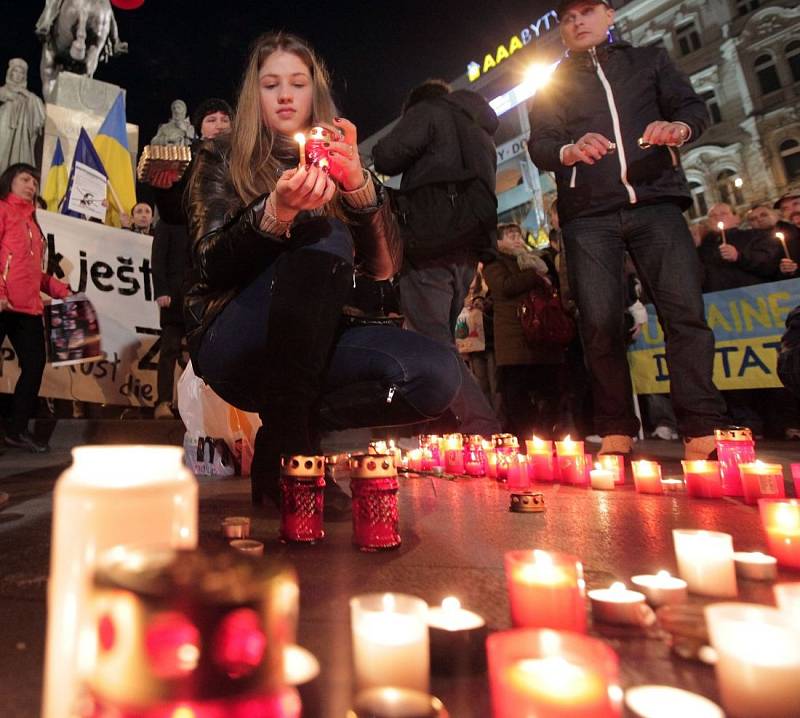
[[112, 267]]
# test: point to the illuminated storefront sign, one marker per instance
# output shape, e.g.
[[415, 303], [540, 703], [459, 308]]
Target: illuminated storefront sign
[[527, 35]]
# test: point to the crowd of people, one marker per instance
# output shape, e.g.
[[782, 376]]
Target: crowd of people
[[290, 279]]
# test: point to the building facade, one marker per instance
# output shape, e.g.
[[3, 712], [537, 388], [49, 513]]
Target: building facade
[[743, 58]]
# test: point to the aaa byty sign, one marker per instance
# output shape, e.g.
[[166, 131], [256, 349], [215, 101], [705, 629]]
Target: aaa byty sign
[[525, 36]]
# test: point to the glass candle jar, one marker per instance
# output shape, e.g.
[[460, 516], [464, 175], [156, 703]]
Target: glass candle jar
[[474, 457], [376, 519], [506, 446], [189, 633], [302, 486], [734, 446], [553, 674]]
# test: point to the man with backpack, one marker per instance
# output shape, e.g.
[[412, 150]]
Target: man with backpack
[[447, 208]]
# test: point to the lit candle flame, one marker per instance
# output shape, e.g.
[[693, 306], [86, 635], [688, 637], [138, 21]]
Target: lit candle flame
[[780, 235], [720, 226], [663, 574], [300, 138], [389, 602], [451, 604], [617, 587]]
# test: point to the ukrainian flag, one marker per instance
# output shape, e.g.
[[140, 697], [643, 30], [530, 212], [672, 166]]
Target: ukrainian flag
[[56, 185], [111, 144]]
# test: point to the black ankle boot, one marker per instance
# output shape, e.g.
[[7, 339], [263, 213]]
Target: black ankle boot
[[309, 291]]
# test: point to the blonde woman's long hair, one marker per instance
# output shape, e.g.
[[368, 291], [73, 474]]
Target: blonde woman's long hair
[[254, 166]]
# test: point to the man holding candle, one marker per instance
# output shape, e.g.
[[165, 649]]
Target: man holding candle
[[615, 194], [734, 257], [789, 226]]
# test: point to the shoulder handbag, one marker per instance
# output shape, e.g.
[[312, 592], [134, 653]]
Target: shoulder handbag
[[543, 319]]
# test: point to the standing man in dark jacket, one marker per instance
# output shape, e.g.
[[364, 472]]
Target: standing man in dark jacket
[[171, 256], [444, 139], [608, 124]]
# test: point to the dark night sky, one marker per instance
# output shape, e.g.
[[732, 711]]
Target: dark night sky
[[376, 50]]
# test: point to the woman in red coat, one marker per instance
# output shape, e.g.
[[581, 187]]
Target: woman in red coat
[[22, 279]]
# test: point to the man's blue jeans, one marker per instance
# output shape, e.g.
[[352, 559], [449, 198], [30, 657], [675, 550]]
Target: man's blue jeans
[[658, 240]]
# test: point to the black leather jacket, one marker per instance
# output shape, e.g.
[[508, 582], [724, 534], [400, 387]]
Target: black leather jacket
[[229, 250]]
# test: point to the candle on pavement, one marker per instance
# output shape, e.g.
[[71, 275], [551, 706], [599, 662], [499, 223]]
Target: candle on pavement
[[390, 641], [705, 561], [546, 590], [661, 589]]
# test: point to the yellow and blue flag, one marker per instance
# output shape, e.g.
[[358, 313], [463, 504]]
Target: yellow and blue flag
[[111, 144], [55, 186]]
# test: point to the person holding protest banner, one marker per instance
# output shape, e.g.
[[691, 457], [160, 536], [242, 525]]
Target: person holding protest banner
[[276, 244], [22, 259], [609, 124]]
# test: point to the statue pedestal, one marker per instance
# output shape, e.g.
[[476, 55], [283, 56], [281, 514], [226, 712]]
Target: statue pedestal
[[82, 93], [79, 102]]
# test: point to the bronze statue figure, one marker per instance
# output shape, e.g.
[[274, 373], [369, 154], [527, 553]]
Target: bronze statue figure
[[76, 35]]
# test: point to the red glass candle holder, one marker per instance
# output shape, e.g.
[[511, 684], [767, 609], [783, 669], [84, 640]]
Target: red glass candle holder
[[761, 481], [796, 479], [454, 454], [647, 477], [518, 472], [734, 446], [506, 447], [191, 633], [552, 674], [376, 518], [431, 455], [703, 480], [571, 461], [546, 590], [781, 521], [474, 458], [540, 459], [491, 463], [615, 463], [318, 154], [302, 495]]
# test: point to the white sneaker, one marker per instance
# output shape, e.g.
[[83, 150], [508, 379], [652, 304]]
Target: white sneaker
[[664, 433], [163, 411]]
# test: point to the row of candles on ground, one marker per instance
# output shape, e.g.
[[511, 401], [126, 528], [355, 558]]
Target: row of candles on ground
[[546, 667], [736, 473]]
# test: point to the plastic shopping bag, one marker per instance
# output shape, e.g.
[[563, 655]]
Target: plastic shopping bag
[[214, 429], [469, 332]]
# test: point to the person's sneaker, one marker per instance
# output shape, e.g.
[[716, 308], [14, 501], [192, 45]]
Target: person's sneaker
[[616, 444], [699, 447], [664, 433], [163, 411], [25, 440]]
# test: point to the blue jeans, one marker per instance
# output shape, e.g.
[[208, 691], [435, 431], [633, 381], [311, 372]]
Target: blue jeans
[[658, 240], [232, 352]]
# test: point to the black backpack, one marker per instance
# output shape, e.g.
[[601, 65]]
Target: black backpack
[[438, 217]]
